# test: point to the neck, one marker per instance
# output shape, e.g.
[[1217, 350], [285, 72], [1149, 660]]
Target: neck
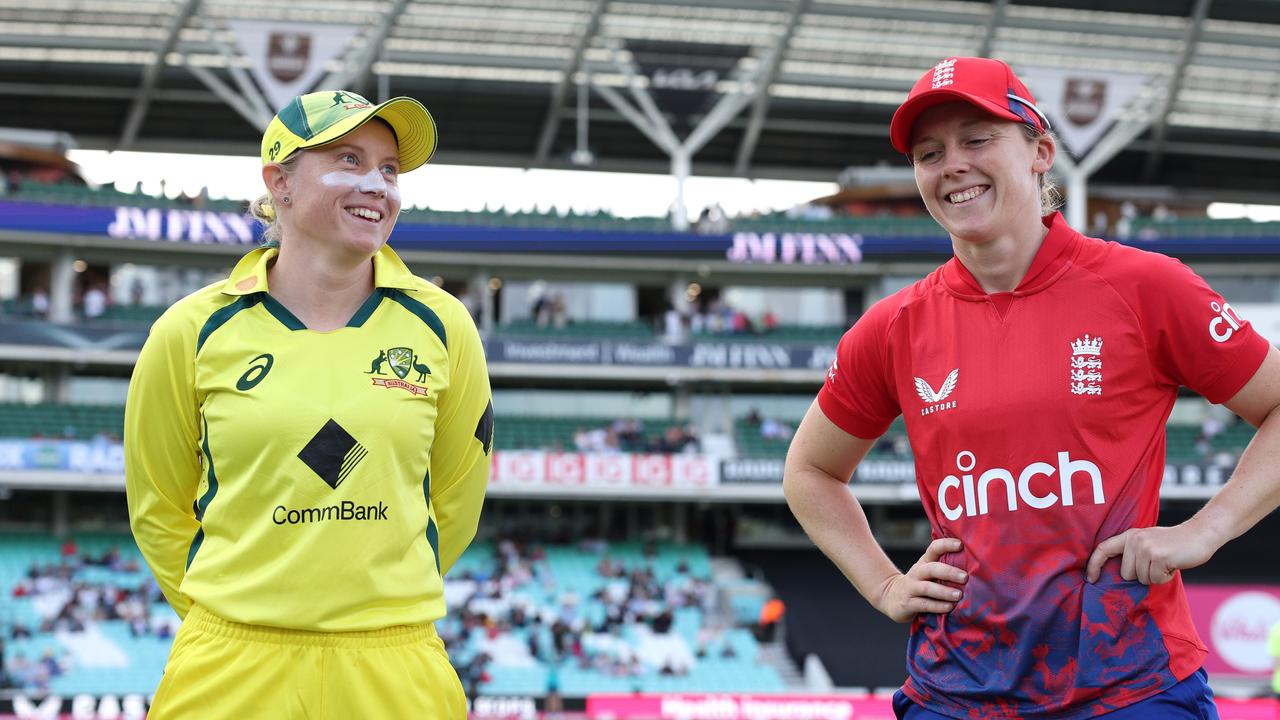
[[1000, 264], [322, 292]]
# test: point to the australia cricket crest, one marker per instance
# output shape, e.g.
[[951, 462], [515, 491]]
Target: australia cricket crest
[[402, 361]]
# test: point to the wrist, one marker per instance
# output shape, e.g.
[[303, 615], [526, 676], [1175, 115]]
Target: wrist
[[1212, 527]]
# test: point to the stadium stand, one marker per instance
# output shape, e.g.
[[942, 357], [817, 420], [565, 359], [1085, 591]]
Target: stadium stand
[[81, 615]]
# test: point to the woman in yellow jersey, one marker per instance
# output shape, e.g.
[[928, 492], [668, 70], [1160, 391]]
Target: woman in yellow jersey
[[307, 443]]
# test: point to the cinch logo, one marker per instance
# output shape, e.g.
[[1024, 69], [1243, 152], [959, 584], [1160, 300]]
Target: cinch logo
[[975, 496], [1226, 316]]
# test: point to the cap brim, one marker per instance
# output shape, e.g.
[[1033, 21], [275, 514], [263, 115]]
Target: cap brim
[[904, 118], [414, 127]]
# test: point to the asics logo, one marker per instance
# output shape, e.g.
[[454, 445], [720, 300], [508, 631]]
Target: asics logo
[[971, 497]]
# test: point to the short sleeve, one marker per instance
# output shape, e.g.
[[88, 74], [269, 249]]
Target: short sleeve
[[1194, 337], [857, 394]]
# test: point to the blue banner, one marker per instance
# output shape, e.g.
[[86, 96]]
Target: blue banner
[[102, 456], [229, 228]]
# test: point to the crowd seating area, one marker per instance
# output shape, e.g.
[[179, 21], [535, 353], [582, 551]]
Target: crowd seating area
[[84, 616], [72, 194], [1153, 229], [595, 618], [81, 617], [922, 226], [64, 422], [637, 331], [755, 437]]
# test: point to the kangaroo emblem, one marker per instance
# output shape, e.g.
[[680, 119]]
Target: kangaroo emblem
[[376, 368], [423, 370]]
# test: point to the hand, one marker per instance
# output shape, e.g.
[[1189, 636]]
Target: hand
[[1152, 555], [903, 596]]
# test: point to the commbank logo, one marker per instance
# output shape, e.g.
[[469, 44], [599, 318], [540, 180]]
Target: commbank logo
[[934, 399], [974, 494], [332, 453], [345, 510]]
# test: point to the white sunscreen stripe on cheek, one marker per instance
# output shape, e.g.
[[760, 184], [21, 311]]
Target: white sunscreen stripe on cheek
[[372, 181]]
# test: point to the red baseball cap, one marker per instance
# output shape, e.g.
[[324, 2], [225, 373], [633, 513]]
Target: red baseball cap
[[984, 82]]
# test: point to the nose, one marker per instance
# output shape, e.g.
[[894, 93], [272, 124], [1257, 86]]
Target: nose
[[955, 162], [372, 183]]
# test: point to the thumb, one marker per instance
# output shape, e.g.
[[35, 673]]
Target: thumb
[[1107, 549]]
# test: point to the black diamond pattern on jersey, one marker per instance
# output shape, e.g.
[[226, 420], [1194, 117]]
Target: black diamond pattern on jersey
[[484, 429], [332, 453]]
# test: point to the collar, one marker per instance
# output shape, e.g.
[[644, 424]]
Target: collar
[[250, 273], [1053, 257]]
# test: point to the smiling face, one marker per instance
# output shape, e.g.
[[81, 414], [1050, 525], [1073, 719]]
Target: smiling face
[[344, 195], [978, 175]]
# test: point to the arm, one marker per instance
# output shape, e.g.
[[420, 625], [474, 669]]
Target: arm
[[1152, 555], [815, 482], [463, 442], [162, 465]]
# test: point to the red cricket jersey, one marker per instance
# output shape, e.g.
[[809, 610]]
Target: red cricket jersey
[[1037, 421]]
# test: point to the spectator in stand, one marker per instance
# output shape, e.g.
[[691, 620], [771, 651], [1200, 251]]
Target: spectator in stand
[[770, 615], [94, 303], [769, 322], [673, 326], [773, 429], [40, 303]]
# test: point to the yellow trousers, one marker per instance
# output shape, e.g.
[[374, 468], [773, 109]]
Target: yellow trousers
[[220, 670]]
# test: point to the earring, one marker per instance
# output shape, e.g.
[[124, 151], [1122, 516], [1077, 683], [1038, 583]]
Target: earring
[[285, 199]]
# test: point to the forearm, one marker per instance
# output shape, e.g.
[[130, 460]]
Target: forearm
[[1253, 491], [834, 520]]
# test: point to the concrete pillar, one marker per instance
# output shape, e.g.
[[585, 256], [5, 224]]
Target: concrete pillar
[[61, 288]]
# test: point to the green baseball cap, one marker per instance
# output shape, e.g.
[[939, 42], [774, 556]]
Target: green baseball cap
[[322, 117]]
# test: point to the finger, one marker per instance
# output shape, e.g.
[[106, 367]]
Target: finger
[[1129, 563], [1142, 569], [925, 605], [938, 571], [936, 591], [1106, 550], [941, 547]]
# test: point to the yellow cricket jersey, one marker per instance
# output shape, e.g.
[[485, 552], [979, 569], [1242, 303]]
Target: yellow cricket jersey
[[315, 480]]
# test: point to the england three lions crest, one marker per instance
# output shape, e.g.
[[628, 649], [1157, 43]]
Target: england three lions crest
[[1086, 366]]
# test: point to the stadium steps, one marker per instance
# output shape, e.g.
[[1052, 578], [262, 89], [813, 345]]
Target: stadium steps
[[774, 654]]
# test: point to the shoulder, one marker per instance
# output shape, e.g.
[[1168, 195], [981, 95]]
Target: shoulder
[[1129, 265]]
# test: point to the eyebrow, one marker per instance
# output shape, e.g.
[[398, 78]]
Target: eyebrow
[[963, 126], [340, 146]]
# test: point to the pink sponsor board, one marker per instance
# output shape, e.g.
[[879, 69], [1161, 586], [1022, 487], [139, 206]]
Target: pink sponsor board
[[738, 707], [809, 707], [1233, 620]]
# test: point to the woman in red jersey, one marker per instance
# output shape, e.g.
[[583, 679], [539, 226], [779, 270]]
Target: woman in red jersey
[[1035, 370]]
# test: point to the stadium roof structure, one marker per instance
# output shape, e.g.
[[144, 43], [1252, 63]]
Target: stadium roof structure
[[817, 80]]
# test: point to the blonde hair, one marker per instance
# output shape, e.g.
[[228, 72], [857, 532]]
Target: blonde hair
[[1050, 193], [263, 209]]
